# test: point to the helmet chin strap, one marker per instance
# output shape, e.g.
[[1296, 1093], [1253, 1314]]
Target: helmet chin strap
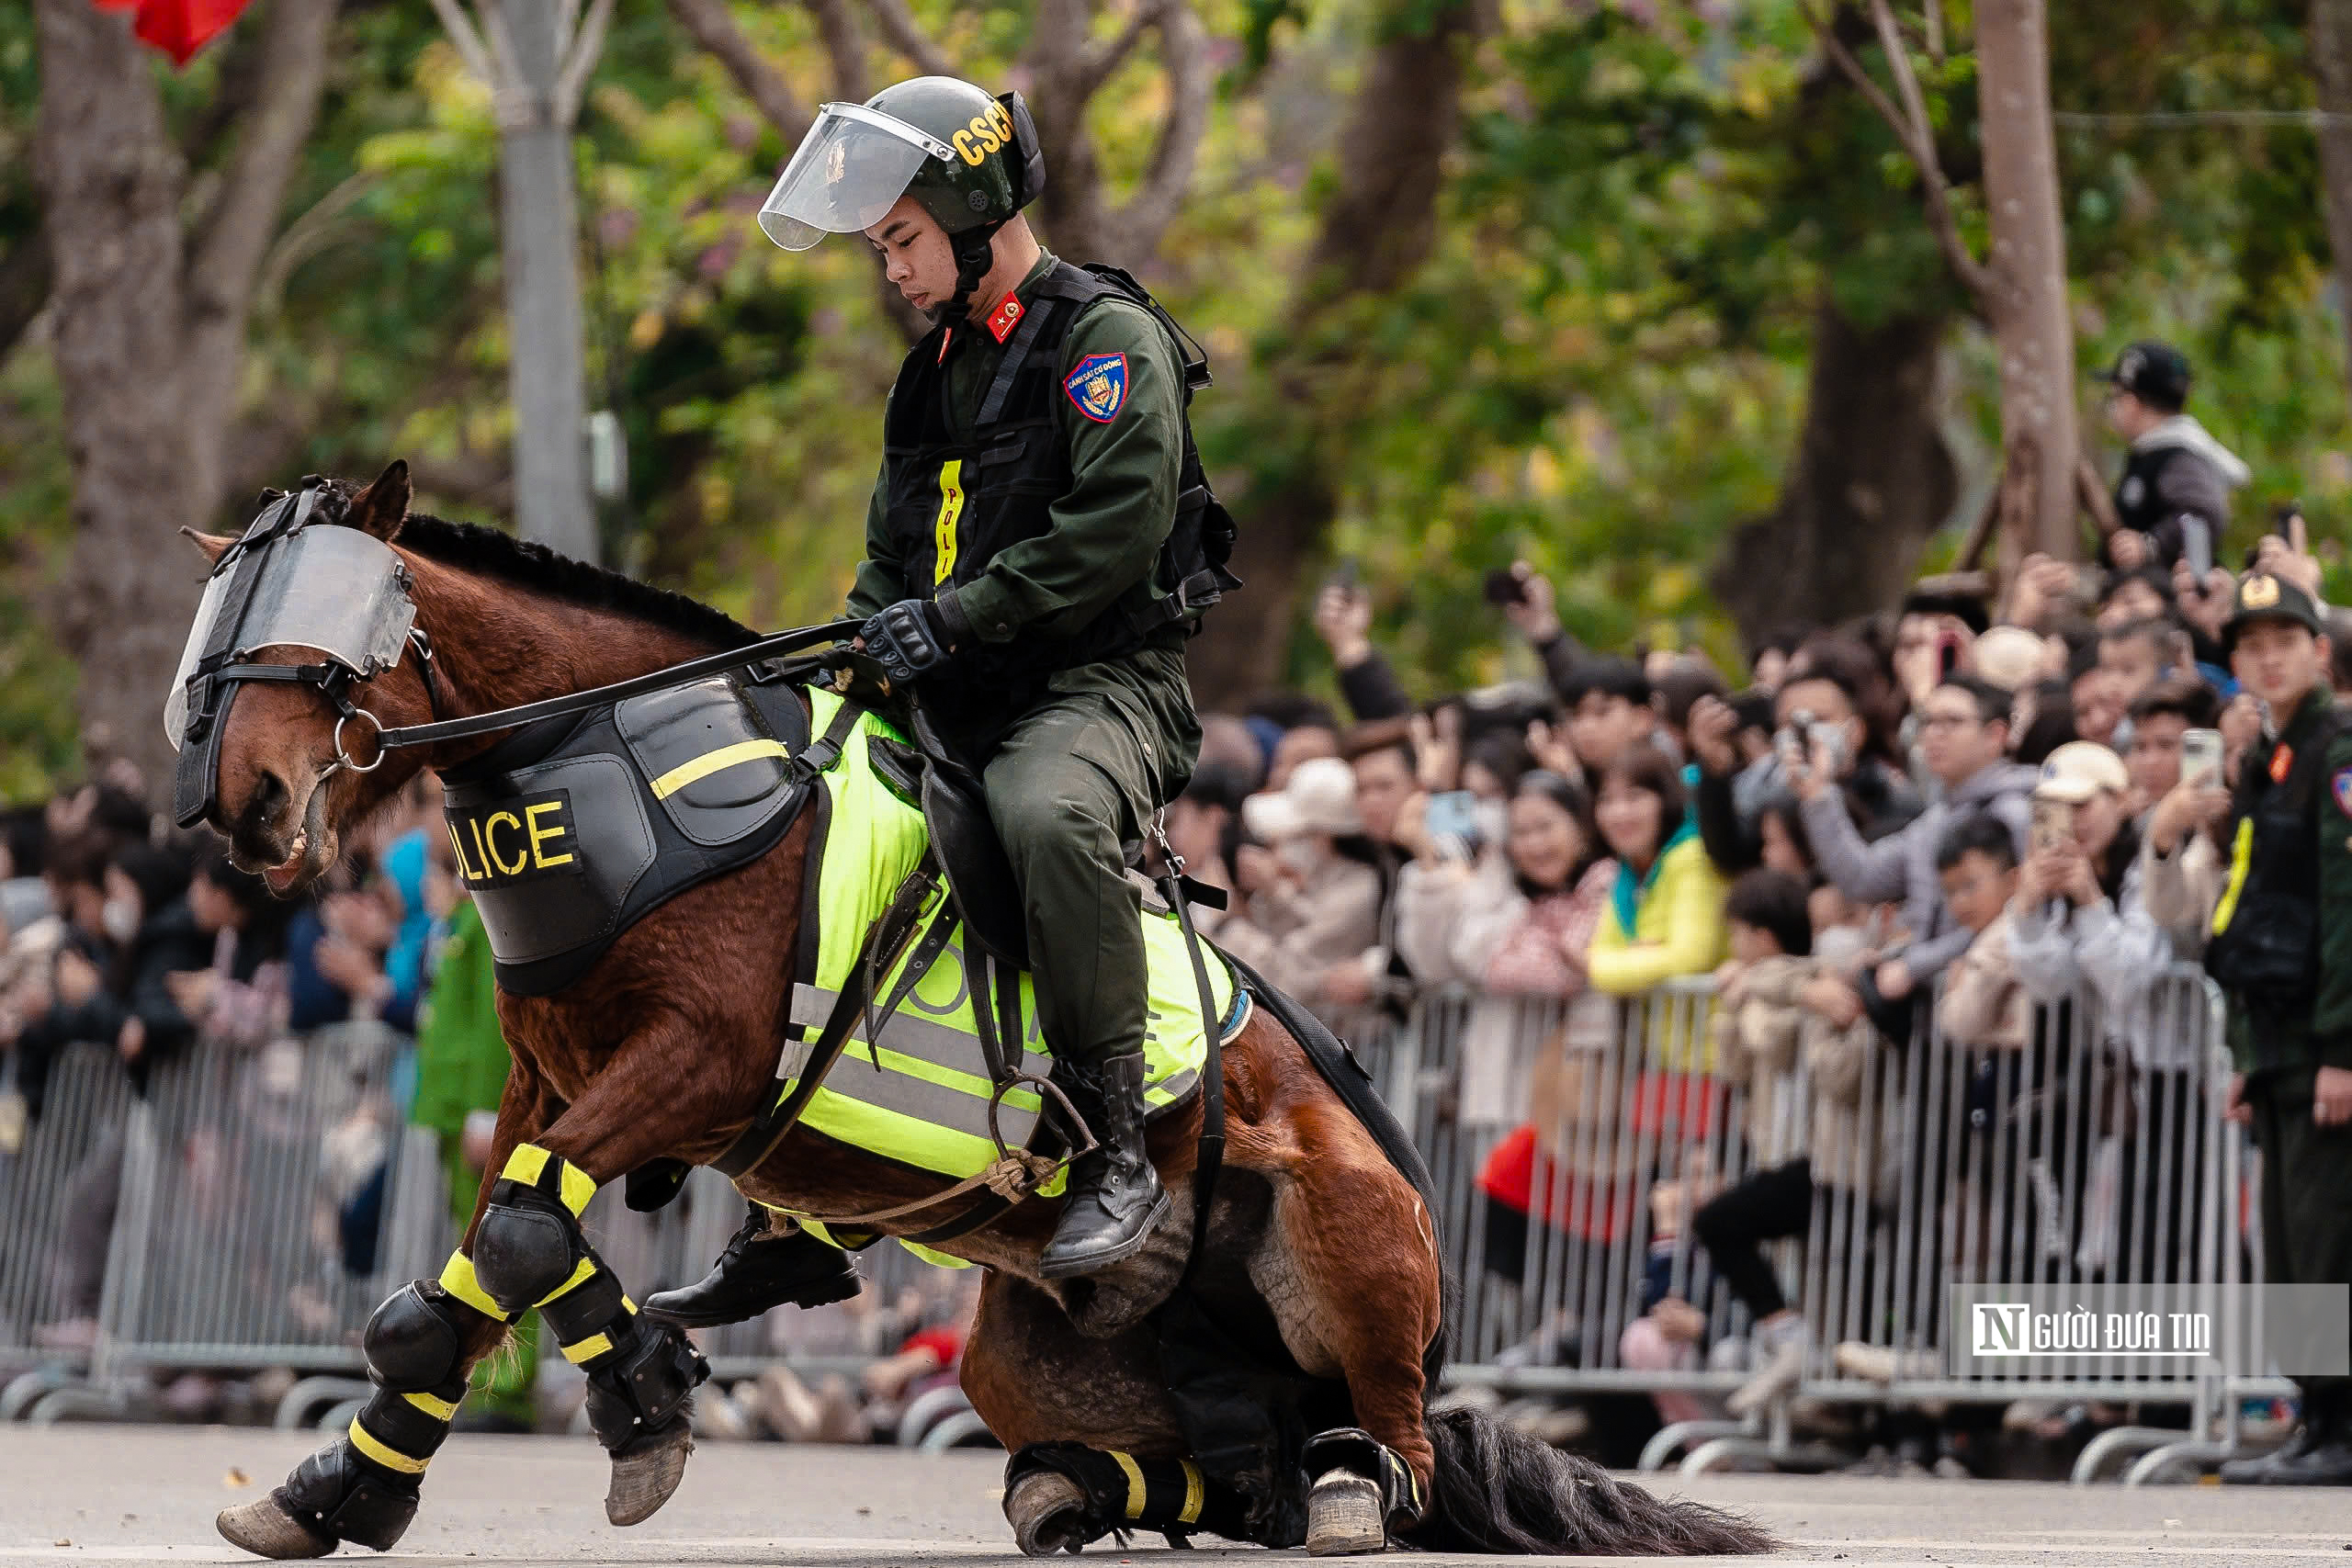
[[975, 253]]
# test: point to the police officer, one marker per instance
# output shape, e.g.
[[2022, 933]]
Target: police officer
[[1034, 552], [2282, 948], [2173, 500]]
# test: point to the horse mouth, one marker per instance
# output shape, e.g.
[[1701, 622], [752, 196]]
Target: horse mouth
[[303, 859]]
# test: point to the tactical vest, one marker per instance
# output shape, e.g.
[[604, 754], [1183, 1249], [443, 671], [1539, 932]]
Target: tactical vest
[[953, 501], [571, 831], [2266, 928]]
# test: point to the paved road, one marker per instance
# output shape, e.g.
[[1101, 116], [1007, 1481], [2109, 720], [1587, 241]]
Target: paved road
[[148, 1494]]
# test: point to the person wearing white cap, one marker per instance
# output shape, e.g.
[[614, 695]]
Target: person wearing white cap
[[2080, 921], [1316, 911]]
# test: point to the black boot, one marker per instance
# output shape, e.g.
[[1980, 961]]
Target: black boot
[[1114, 1196], [758, 1272]]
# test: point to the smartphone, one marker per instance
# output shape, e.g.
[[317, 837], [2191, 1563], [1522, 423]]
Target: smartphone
[[2200, 758], [2054, 824], [1344, 576], [2197, 547], [1831, 740], [1504, 586], [1946, 654], [1453, 823]]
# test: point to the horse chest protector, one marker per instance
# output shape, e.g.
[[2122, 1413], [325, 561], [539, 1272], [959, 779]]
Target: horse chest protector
[[568, 832]]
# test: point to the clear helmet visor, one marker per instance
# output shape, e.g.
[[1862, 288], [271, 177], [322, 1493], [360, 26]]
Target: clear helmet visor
[[335, 591], [849, 170]]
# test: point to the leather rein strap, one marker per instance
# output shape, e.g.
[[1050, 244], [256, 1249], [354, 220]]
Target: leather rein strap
[[620, 691]]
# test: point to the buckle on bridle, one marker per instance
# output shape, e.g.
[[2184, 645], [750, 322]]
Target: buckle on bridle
[[342, 758]]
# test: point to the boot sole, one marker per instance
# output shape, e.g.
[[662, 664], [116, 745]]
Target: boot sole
[[1094, 1263], [815, 1296]]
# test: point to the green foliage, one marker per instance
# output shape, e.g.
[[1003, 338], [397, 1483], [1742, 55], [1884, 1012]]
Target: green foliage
[[1603, 367]]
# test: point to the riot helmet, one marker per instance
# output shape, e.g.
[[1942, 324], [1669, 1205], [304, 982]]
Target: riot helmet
[[969, 158]]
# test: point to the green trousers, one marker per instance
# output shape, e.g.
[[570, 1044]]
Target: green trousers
[[2306, 1203], [1073, 781]]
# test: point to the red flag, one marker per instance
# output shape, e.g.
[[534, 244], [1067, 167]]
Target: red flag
[[178, 27]]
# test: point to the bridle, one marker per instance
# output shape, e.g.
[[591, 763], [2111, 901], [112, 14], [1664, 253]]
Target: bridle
[[357, 652]]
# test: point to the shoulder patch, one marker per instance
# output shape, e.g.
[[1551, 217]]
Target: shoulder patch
[[1098, 386], [2341, 788]]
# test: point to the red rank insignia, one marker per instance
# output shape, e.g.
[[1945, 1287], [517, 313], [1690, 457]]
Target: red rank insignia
[[1002, 320]]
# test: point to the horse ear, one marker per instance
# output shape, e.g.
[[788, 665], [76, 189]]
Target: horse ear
[[382, 507], [213, 544]]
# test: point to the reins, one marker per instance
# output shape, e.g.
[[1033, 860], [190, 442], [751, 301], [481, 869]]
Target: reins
[[767, 648]]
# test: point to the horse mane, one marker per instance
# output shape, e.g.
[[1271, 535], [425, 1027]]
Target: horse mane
[[531, 566]]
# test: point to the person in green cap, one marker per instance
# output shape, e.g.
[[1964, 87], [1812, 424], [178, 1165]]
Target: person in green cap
[[1039, 542], [2282, 949]]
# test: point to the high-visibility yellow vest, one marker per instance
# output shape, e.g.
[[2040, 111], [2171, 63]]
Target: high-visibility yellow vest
[[919, 1096]]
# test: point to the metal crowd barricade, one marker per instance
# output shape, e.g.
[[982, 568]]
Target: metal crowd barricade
[[2096, 1153], [58, 1191], [257, 1192]]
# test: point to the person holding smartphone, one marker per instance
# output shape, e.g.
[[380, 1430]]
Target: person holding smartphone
[[2172, 501], [2282, 949]]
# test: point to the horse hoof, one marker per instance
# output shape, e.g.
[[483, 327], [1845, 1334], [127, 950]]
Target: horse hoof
[[1343, 1517], [263, 1528], [1047, 1511], [643, 1480]]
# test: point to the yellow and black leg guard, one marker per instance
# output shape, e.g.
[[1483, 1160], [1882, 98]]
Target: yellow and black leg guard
[[364, 1487], [529, 1251], [1124, 1493], [1357, 1451]]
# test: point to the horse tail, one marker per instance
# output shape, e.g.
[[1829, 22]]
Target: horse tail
[[1498, 1489]]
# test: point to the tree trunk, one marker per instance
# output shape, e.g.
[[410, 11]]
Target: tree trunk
[[2028, 283], [1871, 480], [110, 189], [147, 339], [2331, 45], [1376, 231], [547, 370]]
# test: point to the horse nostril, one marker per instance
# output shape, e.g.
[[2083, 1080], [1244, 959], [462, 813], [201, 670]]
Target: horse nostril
[[270, 796]]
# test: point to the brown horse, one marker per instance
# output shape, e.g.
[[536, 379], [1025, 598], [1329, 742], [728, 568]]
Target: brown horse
[[666, 1047]]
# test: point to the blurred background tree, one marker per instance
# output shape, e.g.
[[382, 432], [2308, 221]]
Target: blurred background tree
[[1642, 292]]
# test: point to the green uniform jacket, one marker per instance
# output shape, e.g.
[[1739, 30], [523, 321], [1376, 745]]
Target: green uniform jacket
[[1107, 528], [461, 1057], [2260, 1040]]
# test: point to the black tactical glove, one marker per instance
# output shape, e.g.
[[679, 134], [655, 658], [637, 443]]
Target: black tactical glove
[[909, 638]]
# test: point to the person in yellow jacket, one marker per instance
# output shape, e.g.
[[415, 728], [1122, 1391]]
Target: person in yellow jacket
[[1665, 914]]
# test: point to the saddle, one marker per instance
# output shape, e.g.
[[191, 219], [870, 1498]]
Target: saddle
[[963, 842]]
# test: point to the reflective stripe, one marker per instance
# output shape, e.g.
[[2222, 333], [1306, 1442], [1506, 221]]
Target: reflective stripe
[[439, 1409], [909, 1036], [912, 1089], [389, 1457], [588, 1349], [951, 511], [2241, 863], [1135, 1483], [529, 1162], [458, 1278], [580, 1276], [1196, 1491], [710, 762]]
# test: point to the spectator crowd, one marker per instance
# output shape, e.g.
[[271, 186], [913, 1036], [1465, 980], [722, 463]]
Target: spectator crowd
[[1948, 820]]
